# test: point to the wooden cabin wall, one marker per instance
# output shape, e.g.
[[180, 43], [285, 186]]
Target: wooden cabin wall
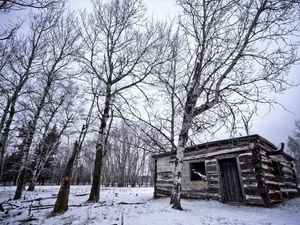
[[250, 168], [164, 176], [209, 189], [288, 181], [259, 184], [213, 180], [192, 189], [277, 188]]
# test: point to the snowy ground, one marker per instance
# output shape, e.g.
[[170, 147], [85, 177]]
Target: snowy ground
[[151, 211]]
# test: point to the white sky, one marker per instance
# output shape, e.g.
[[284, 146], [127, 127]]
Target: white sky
[[278, 124], [275, 126]]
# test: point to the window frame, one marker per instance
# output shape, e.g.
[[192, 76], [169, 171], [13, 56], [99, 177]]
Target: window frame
[[194, 177]]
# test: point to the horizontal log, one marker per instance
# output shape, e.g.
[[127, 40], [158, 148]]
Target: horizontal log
[[259, 202], [245, 159], [196, 194], [290, 179], [163, 192], [290, 185], [246, 166], [162, 173], [288, 170], [247, 173], [249, 181], [214, 189], [268, 175], [212, 182], [165, 177], [213, 177], [263, 153], [251, 191], [270, 182], [160, 185], [246, 154], [212, 174], [254, 199], [164, 182], [290, 190], [211, 162], [293, 174], [211, 168], [210, 152]]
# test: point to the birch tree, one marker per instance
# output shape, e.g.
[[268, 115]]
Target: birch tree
[[122, 50], [242, 52]]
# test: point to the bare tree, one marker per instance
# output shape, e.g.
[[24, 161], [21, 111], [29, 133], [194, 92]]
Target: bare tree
[[294, 146], [22, 65], [61, 204], [162, 111], [122, 50], [126, 160], [242, 52], [49, 144], [6, 5], [59, 45]]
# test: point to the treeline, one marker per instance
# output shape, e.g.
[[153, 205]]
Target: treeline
[[127, 162]]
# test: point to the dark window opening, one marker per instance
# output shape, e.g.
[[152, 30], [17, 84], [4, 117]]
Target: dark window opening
[[197, 171], [277, 168]]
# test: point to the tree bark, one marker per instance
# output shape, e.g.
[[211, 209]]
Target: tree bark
[[176, 195], [183, 137], [95, 189], [61, 204]]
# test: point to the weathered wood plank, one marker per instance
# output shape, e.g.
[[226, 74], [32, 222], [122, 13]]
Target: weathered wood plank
[[211, 153], [254, 200]]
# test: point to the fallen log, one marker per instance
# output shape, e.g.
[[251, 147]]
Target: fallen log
[[78, 195], [38, 199], [41, 207], [131, 203]]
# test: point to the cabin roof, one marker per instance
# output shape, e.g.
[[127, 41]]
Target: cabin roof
[[245, 140]]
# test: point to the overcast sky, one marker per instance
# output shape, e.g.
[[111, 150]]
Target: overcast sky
[[276, 125]]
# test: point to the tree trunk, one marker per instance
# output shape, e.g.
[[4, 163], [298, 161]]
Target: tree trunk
[[32, 182], [6, 129], [20, 182], [175, 196], [188, 116], [61, 204], [95, 189], [29, 139], [100, 151]]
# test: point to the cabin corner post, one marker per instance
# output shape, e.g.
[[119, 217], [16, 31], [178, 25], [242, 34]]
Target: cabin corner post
[[241, 178], [261, 186], [155, 179]]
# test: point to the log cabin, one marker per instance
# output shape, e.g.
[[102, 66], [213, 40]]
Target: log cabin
[[246, 170]]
